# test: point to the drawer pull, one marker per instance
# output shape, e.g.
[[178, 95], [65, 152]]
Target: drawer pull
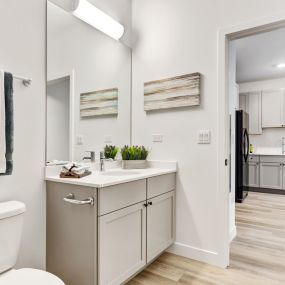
[[70, 198]]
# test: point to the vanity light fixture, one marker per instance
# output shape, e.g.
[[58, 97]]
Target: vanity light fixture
[[93, 16], [281, 65]]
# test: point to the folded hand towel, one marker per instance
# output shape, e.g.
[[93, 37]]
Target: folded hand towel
[[2, 125], [77, 168]]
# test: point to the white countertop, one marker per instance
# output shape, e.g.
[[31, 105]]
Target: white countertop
[[113, 176], [267, 154], [270, 151]]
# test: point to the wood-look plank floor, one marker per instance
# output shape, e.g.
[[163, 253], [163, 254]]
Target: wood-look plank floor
[[257, 253]]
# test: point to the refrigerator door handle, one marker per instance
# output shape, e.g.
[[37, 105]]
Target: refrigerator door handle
[[247, 146]]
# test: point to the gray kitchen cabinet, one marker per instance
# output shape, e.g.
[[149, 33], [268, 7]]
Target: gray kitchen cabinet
[[242, 101], [283, 176], [253, 167], [121, 244], [254, 111], [271, 175], [160, 224], [251, 103], [273, 109]]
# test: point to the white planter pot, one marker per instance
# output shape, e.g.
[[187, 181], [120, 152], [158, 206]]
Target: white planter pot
[[113, 164], [134, 164]]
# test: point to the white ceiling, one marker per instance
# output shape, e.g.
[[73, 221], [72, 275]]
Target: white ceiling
[[258, 55]]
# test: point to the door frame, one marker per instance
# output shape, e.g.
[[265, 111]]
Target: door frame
[[71, 76], [225, 35]]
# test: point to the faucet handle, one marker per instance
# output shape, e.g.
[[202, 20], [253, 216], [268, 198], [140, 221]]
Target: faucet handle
[[92, 155]]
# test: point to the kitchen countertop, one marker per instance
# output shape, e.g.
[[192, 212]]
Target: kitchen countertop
[[267, 154], [268, 151], [115, 176]]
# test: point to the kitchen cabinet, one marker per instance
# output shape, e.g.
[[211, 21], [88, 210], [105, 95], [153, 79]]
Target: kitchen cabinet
[[253, 174], [160, 224], [242, 101], [273, 109], [251, 103], [271, 175], [122, 244], [254, 110]]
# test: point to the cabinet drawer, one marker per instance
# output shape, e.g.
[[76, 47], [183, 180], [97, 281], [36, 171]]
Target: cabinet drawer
[[253, 158], [120, 196], [273, 159], [160, 184]]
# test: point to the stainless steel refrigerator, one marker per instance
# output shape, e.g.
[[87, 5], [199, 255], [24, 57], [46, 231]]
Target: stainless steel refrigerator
[[242, 155]]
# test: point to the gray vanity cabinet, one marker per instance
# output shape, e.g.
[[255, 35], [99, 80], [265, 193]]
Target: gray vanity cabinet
[[71, 234], [109, 242], [122, 241], [160, 224], [121, 231]]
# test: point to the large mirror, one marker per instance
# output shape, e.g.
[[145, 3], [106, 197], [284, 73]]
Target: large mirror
[[88, 84]]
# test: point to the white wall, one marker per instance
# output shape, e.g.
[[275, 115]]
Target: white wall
[[177, 37], [99, 62], [271, 137], [58, 119], [22, 52]]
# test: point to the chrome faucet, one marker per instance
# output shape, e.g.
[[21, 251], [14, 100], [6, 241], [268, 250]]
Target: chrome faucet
[[283, 145], [102, 161], [91, 157]]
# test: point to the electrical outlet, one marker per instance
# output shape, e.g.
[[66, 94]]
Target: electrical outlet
[[157, 138], [204, 137], [108, 139]]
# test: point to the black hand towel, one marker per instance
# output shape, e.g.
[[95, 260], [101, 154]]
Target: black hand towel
[[9, 114]]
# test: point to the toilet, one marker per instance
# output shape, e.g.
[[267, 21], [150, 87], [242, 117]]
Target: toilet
[[11, 224]]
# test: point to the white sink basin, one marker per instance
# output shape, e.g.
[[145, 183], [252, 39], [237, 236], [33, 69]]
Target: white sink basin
[[120, 173]]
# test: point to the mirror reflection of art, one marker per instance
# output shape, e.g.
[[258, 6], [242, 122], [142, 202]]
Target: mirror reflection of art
[[99, 103], [179, 91]]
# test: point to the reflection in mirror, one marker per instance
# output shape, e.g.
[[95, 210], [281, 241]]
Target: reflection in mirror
[[88, 84]]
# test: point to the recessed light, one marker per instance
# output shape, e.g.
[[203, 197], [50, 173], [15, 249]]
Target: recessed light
[[281, 65]]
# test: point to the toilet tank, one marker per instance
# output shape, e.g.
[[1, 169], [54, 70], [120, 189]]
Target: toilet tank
[[11, 224]]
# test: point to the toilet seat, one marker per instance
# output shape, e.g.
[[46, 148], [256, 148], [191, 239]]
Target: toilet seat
[[29, 276]]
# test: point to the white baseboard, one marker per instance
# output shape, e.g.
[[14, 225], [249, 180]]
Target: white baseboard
[[233, 233], [195, 253]]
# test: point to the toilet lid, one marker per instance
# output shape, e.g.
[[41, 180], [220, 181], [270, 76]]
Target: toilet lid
[[29, 276]]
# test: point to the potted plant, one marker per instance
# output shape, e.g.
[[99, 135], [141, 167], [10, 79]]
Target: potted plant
[[134, 157], [110, 152]]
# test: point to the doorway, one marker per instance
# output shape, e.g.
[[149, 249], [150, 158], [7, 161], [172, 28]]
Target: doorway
[[226, 36]]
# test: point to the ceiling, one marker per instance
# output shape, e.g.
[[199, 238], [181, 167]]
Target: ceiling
[[258, 55]]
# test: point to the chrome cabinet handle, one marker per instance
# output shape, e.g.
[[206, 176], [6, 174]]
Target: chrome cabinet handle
[[70, 198]]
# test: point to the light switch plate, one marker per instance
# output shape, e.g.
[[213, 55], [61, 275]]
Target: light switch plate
[[204, 137], [157, 138]]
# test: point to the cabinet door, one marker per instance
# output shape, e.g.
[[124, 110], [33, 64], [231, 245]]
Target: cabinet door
[[283, 177], [160, 224], [121, 244], [271, 175], [283, 108], [272, 109], [242, 101], [253, 107], [253, 174]]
